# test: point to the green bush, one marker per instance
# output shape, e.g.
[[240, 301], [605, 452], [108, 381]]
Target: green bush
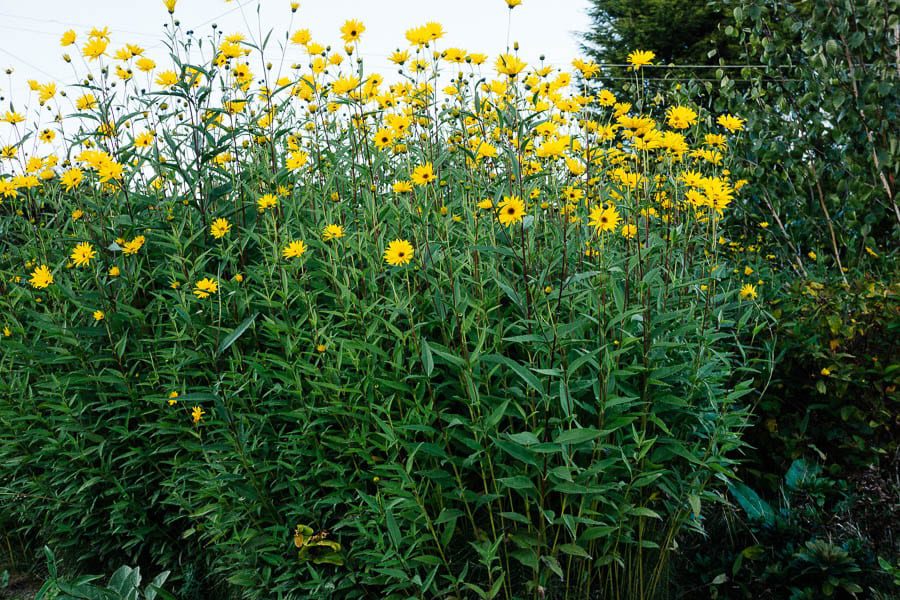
[[476, 382]]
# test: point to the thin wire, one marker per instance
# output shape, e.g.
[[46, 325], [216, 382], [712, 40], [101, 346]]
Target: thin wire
[[68, 24], [27, 64]]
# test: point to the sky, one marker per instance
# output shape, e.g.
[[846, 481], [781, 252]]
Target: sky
[[30, 31]]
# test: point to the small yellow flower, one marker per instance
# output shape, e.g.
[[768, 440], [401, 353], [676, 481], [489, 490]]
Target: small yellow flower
[[173, 397], [826, 372], [294, 249], [83, 254], [640, 58], [748, 292], [399, 252], [321, 348], [332, 232], [114, 271], [205, 287], [99, 315], [41, 277], [197, 414], [219, 228], [812, 255]]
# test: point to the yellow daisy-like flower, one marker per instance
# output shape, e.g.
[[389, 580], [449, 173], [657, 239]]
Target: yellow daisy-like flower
[[294, 249], [173, 398], [99, 315], [197, 414], [41, 277], [134, 245], [266, 202], [399, 252], [423, 174], [513, 3], [680, 117], [509, 65], [83, 254], [402, 187], [629, 231], [748, 292], [511, 210], [114, 271], [205, 287], [731, 123], [219, 228], [332, 232], [351, 30], [604, 219], [640, 58]]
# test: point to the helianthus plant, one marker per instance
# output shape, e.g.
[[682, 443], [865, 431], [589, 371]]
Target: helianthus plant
[[467, 333]]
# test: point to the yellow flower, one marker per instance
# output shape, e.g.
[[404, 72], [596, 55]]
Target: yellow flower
[[197, 414], [170, 5], [748, 292], [294, 249], [332, 232], [871, 252], [423, 174], [94, 48], [640, 58], [41, 277], [402, 187], [680, 117], [826, 372], [114, 271], [67, 39], [399, 252], [99, 315], [604, 219], [83, 254], [205, 287], [266, 202], [71, 179], [321, 348], [219, 228], [629, 231], [730, 122], [509, 65], [511, 210], [748, 271], [351, 30], [812, 255], [167, 79], [173, 398], [513, 3], [134, 245]]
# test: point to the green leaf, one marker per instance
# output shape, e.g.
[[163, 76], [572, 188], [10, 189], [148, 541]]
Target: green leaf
[[238, 332]]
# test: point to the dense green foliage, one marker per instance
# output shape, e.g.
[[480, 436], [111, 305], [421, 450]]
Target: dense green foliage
[[535, 397]]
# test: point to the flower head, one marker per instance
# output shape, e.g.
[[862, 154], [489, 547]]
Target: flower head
[[604, 218], [511, 210], [294, 249], [41, 277], [399, 252], [83, 254], [423, 174], [640, 58], [219, 228], [748, 292], [205, 287], [332, 232], [351, 30], [197, 414]]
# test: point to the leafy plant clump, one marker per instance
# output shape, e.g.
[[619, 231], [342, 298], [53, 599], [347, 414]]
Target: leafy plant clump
[[475, 330]]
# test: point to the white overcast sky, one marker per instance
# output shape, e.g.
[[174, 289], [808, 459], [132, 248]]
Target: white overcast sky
[[30, 30]]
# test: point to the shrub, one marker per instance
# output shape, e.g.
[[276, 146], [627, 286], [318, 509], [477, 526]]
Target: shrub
[[324, 337]]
